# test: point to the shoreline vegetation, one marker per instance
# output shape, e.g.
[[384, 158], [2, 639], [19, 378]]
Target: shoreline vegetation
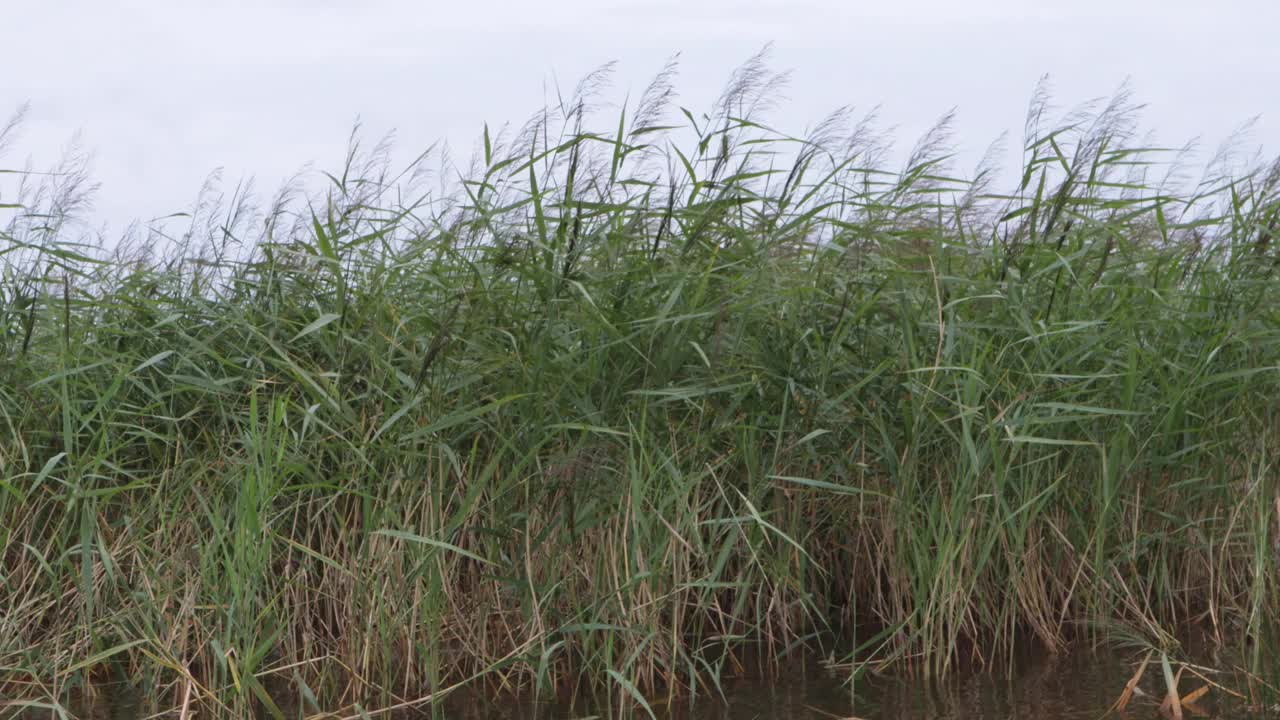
[[638, 391]]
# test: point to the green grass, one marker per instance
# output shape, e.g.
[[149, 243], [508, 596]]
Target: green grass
[[637, 391]]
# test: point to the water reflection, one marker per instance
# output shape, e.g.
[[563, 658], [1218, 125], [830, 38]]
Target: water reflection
[[1042, 687]]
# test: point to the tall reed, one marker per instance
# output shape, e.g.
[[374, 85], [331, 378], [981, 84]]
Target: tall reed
[[636, 395]]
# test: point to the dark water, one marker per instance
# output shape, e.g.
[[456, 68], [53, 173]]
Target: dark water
[[1080, 685], [1040, 687]]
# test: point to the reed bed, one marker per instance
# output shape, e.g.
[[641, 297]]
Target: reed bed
[[636, 391]]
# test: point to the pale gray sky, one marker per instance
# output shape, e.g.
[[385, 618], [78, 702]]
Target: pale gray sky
[[164, 91]]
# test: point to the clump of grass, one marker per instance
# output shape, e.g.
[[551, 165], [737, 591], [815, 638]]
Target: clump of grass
[[632, 398]]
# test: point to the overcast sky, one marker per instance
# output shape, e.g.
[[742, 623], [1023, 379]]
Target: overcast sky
[[164, 91]]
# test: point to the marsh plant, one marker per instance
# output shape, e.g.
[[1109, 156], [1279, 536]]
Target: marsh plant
[[634, 392]]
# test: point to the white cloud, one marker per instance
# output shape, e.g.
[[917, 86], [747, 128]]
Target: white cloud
[[165, 91]]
